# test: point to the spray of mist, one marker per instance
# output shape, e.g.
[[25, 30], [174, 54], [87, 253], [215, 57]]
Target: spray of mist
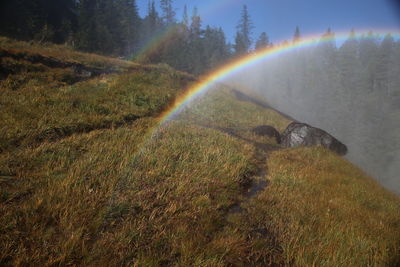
[[351, 91]]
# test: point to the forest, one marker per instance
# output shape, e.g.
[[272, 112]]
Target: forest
[[114, 28]]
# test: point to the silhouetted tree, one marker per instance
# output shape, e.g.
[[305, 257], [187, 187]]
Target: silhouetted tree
[[243, 39], [168, 12], [297, 35], [262, 42], [43, 20]]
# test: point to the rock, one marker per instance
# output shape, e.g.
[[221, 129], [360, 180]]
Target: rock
[[266, 130], [301, 134], [82, 71]]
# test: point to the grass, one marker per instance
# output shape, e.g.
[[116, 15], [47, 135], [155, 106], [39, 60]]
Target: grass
[[64, 53], [327, 212], [220, 108], [88, 177], [45, 108], [92, 198]]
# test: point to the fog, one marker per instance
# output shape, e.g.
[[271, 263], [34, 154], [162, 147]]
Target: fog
[[351, 91]]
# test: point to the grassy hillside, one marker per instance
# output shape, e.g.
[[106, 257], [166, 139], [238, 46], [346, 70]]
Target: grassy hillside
[[87, 176]]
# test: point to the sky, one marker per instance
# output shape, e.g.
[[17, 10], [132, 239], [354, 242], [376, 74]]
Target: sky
[[279, 18]]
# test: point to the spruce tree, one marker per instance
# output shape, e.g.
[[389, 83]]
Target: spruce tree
[[195, 26], [297, 35], [262, 42], [384, 64], [86, 35], [243, 39], [129, 25], [168, 12], [185, 17]]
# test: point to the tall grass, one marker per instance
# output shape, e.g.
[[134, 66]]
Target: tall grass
[[89, 177], [327, 212], [37, 111]]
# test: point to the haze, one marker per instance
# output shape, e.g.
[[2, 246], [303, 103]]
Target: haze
[[353, 92]]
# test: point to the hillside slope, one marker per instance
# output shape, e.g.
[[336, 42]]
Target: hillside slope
[[88, 176]]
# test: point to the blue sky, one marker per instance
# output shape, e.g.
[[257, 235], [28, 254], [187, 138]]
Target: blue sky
[[278, 18]]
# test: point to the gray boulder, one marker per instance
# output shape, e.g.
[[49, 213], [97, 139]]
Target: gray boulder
[[301, 134], [266, 130]]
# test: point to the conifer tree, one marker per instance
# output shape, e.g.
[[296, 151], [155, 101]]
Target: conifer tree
[[262, 42], [243, 39], [85, 37], [195, 26], [297, 35], [368, 52], [185, 17], [384, 64], [168, 12], [129, 25], [151, 23]]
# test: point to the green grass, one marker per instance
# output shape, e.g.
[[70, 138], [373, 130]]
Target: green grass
[[64, 53], [220, 108], [88, 177], [45, 109]]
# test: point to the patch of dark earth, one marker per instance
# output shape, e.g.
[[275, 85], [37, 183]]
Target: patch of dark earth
[[58, 133], [257, 183], [85, 72], [259, 180]]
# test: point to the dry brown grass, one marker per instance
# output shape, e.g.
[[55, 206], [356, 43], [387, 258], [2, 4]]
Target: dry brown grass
[[75, 189], [43, 108], [113, 196], [327, 212], [64, 53]]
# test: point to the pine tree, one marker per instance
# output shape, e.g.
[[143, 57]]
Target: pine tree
[[368, 56], [151, 23], [195, 47], [185, 17], [262, 42], [168, 12], [85, 38], [243, 39], [384, 64], [128, 26], [297, 35], [43, 20], [195, 26], [349, 71], [327, 47], [216, 51]]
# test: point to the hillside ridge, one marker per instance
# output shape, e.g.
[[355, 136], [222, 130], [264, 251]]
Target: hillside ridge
[[200, 190]]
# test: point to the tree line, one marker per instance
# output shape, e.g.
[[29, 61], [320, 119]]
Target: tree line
[[114, 28]]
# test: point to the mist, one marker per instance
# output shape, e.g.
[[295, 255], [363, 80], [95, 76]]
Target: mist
[[351, 91]]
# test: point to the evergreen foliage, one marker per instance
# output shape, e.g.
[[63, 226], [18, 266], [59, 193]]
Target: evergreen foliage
[[168, 12], [297, 35], [263, 41], [243, 39], [114, 28]]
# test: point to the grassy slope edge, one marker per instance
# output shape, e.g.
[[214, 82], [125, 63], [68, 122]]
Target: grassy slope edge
[[93, 193]]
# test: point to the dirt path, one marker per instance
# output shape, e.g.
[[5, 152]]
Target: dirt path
[[259, 181], [257, 184]]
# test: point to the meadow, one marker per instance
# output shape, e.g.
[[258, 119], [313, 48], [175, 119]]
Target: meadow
[[90, 176]]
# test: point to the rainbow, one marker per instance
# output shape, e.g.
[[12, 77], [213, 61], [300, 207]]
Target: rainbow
[[161, 37], [224, 72], [155, 42]]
